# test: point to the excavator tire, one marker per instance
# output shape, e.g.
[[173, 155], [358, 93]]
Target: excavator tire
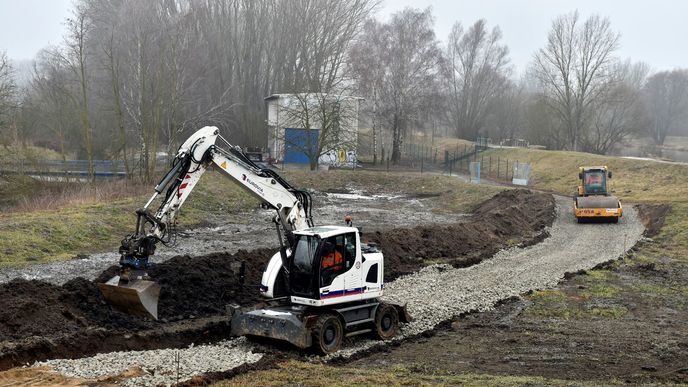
[[386, 322], [328, 334]]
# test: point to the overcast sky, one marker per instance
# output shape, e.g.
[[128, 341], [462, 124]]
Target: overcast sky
[[653, 31]]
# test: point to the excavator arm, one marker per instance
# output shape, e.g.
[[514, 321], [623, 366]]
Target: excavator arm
[[132, 291]]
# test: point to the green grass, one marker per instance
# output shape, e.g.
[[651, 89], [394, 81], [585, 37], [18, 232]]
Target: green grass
[[635, 181], [54, 235], [301, 373]]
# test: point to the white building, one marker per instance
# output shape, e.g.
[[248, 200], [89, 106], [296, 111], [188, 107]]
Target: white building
[[292, 117]]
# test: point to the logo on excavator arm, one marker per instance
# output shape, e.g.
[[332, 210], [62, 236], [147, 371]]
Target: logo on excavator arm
[[252, 183], [224, 165]]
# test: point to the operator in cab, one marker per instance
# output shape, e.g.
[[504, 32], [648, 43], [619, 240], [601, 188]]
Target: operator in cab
[[331, 257]]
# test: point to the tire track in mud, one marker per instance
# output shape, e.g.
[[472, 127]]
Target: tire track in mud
[[437, 293]]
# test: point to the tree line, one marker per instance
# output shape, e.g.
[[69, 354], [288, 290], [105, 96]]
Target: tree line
[[131, 79]]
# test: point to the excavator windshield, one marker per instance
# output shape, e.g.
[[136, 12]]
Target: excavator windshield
[[304, 253], [595, 182]]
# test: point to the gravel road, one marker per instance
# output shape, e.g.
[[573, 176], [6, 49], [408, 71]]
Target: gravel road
[[434, 294], [250, 230]]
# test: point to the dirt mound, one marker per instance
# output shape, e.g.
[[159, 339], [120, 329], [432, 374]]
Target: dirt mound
[[31, 308], [201, 286], [509, 218], [652, 216]]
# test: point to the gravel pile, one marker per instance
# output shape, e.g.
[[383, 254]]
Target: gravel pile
[[434, 295], [160, 366]]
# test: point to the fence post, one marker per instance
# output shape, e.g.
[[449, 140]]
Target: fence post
[[498, 165], [387, 163], [507, 170]]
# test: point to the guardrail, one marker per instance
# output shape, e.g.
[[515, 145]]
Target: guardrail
[[66, 168]]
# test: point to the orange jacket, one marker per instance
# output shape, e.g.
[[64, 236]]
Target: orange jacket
[[332, 259]]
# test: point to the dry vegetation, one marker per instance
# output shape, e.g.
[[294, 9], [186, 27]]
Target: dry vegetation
[[76, 219], [634, 181], [300, 373]]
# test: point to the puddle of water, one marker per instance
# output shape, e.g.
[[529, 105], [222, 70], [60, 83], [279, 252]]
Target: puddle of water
[[358, 196]]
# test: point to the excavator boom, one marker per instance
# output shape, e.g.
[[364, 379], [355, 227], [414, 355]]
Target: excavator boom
[[132, 291]]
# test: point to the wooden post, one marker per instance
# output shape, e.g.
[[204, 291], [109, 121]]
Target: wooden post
[[489, 171], [498, 162], [507, 170]]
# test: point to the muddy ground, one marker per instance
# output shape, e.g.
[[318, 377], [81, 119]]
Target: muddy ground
[[40, 321], [622, 322]]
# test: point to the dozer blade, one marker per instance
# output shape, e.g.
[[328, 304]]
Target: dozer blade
[[136, 297]]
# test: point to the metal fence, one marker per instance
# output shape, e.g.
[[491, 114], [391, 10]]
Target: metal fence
[[521, 175], [479, 166]]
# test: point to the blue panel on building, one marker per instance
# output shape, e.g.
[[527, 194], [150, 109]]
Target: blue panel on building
[[295, 144]]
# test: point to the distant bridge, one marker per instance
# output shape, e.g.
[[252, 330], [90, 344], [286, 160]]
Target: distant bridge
[[67, 168]]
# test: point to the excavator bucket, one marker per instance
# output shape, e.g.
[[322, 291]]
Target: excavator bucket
[[137, 297]]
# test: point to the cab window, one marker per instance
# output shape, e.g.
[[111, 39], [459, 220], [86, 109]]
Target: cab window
[[338, 255], [595, 182]]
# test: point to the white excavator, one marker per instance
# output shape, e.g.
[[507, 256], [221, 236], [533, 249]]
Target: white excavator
[[323, 284]]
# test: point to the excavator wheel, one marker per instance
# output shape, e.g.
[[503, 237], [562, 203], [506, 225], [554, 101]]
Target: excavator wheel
[[328, 334], [386, 322]]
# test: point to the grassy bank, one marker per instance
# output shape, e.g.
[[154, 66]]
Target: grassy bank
[[301, 373], [93, 225], [634, 181]]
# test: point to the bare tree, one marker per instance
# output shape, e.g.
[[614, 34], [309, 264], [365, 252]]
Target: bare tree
[[506, 112], [476, 68], [8, 90], [666, 98], [541, 125], [145, 72], [52, 102], [405, 54], [619, 112], [573, 69], [77, 56]]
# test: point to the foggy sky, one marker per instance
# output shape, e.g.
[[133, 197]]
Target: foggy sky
[[654, 31], [26, 26]]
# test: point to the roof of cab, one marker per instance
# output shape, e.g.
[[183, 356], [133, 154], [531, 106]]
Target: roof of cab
[[326, 231]]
